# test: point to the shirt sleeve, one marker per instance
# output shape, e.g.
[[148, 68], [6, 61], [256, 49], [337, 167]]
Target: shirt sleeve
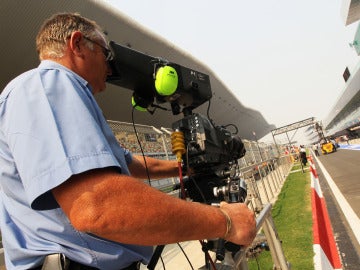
[[56, 130]]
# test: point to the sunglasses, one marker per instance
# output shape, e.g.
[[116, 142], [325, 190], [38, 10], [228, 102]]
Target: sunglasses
[[107, 52]]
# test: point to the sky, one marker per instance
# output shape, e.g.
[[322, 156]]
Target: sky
[[282, 58]]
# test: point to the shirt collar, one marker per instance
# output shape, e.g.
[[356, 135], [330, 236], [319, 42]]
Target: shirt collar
[[49, 64]]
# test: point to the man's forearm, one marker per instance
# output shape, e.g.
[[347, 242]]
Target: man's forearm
[[125, 210]]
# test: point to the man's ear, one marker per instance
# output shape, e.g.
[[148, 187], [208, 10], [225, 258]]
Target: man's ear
[[74, 43]]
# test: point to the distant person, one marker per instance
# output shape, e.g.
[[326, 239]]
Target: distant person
[[334, 143], [302, 153], [315, 149]]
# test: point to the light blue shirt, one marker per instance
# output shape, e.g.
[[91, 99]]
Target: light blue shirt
[[51, 128]]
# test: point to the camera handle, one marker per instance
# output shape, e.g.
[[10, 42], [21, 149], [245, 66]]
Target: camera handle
[[235, 191]]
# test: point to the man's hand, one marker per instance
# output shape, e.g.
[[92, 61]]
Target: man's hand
[[243, 223]]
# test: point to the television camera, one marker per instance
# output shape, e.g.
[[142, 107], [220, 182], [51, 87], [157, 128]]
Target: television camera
[[209, 153]]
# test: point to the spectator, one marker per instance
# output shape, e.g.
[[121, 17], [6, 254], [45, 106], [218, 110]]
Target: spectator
[[302, 153], [315, 149]]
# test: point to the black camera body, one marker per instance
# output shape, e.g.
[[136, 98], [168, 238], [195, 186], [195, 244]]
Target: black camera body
[[206, 144], [210, 159]]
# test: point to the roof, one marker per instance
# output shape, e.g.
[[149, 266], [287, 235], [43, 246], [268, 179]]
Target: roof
[[350, 11], [21, 20], [345, 112]]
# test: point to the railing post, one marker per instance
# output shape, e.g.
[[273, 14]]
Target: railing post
[[274, 243], [263, 185]]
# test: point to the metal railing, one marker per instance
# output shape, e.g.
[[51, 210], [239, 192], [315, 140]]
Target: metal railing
[[266, 188]]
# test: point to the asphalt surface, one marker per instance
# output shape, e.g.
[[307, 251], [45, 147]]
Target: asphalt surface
[[344, 168]]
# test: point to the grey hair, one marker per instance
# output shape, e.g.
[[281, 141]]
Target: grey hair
[[53, 34]]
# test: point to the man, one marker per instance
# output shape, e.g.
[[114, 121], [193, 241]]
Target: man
[[302, 153], [67, 187], [315, 148]]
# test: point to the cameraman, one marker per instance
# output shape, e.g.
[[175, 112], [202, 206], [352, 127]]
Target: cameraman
[[67, 187]]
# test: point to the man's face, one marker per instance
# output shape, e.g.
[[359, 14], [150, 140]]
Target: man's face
[[96, 67]]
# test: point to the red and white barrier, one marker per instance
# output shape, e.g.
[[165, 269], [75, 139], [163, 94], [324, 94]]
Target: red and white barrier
[[325, 249]]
